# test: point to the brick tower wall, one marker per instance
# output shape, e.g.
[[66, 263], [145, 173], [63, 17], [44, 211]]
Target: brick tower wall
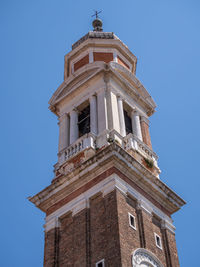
[[102, 231], [143, 236], [87, 237]]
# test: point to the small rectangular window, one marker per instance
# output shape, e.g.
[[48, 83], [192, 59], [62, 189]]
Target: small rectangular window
[[100, 263], [132, 222], [158, 241]]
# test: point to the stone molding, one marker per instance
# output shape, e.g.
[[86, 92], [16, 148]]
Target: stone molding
[[97, 67], [114, 42], [112, 155], [142, 256], [105, 187]]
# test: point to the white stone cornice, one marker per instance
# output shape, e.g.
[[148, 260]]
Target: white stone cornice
[[123, 161], [106, 186], [115, 43]]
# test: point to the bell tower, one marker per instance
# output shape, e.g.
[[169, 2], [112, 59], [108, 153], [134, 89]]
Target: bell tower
[[106, 205]]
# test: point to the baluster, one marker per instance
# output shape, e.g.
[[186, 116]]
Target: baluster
[[79, 146]]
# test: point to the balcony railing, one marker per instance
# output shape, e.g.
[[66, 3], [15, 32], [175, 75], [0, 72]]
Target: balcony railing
[[129, 142], [86, 141], [132, 142]]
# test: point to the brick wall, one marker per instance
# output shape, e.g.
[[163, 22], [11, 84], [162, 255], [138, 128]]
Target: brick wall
[[143, 236], [83, 61], [100, 56], [51, 248], [120, 61], [102, 231], [145, 134], [87, 237], [129, 238], [171, 249]]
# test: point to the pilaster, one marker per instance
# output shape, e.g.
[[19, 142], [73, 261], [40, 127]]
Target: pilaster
[[135, 117], [63, 132], [121, 116], [113, 114], [73, 126], [93, 114]]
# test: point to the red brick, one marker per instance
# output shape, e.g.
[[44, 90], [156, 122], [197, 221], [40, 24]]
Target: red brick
[[106, 57], [82, 62], [145, 134], [121, 62]]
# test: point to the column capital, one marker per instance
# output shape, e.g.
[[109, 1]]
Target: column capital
[[51, 224], [142, 205], [119, 97], [92, 96], [102, 89], [64, 115], [166, 225], [134, 111], [74, 110]]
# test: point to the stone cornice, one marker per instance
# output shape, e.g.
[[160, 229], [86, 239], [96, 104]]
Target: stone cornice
[[84, 74], [130, 80], [111, 156], [99, 42], [107, 185], [91, 70]]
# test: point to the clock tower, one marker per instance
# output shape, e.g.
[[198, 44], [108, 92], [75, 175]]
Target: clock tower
[[106, 205]]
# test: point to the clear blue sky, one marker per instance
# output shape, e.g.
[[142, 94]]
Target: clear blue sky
[[35, 36]]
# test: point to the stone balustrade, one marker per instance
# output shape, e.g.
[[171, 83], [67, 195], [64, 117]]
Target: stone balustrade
[[129, 142], [133, 142], [86, 141]]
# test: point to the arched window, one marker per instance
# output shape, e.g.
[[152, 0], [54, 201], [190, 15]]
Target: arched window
[[144, 258], [84, 121]]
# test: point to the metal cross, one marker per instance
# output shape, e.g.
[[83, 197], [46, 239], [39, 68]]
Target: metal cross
[[96, 14]]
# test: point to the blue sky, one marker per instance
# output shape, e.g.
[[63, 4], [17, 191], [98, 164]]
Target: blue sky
[[35, 36]]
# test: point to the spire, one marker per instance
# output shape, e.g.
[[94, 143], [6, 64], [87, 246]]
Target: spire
[[97, 22]]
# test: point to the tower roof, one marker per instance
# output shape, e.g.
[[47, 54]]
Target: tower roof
[[95, 35]]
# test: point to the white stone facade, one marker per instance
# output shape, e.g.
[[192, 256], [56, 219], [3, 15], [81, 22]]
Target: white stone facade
[[107, 100]]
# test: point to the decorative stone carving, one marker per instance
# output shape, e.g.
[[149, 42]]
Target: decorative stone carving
[[142, 257]]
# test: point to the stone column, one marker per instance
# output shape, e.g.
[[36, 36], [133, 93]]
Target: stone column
[[63, 132], [101, 111], [145, 131], [136, 124], [73, 126], [93, 114], [121, 117], [112, 107]]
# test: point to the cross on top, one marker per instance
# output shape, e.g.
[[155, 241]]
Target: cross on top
[[96, 14]]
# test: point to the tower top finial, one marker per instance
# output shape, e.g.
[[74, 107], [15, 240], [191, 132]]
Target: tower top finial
[[97, 22]]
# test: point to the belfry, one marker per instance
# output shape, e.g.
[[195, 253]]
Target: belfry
[[106, 205]]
